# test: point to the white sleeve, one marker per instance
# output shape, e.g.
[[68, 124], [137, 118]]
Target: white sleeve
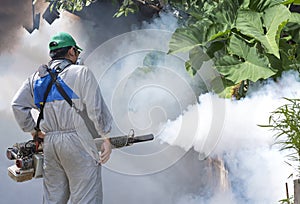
[[22, 104]]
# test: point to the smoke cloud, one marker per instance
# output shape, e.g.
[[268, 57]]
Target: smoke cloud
[[257, 169]]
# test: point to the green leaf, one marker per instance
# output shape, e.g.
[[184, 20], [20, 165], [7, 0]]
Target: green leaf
[[294, 18], [224, 89], [216, 30], [250, 23], [215, 22], [197, 14], [197, 57], [274, 19], [226, 92], [254, 68], [214, 47], [261, 5], [275, 63], [185, 39], [88, 2], [226, 12], [119, 13], [287, 2], [223, 19], [238, 47]]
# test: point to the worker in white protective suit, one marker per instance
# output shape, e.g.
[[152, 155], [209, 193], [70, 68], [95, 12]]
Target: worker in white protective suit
[[72, 165]]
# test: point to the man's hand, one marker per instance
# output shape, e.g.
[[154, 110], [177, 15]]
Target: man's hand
[[40, 134], [105, 151]]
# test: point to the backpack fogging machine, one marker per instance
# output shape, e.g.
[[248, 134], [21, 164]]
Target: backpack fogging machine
[[28, 156]]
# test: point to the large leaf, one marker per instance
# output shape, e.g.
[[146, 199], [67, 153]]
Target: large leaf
[[215, 23], [197, 57], [226, 12], [261, 5], [185, 39], [275, 19], [254, 68], [238, 47], [251, 23], [223, 18]]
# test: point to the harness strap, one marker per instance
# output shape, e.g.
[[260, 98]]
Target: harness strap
[[83, 114], [41, 114], [60, 67]]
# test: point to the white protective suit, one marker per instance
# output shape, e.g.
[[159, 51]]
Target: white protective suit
[[71, 161]]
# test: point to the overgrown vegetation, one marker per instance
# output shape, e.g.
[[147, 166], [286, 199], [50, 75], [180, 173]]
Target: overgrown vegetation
[[248, 40], [284, 121]]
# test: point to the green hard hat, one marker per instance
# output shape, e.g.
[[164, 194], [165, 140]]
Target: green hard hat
[[61, 40]]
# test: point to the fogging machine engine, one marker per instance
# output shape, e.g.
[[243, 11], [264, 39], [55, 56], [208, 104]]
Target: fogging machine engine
[[28, 158]]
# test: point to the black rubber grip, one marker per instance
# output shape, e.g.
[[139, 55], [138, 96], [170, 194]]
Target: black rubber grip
[[122, 141]]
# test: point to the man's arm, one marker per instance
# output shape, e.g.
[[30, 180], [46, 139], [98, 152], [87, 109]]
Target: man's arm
[[96, 108], [21, 105], [97, 111]]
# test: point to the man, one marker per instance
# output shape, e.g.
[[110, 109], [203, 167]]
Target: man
[[72, 166]]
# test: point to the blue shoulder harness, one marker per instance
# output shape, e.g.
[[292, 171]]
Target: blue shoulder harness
[[40, 87]]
